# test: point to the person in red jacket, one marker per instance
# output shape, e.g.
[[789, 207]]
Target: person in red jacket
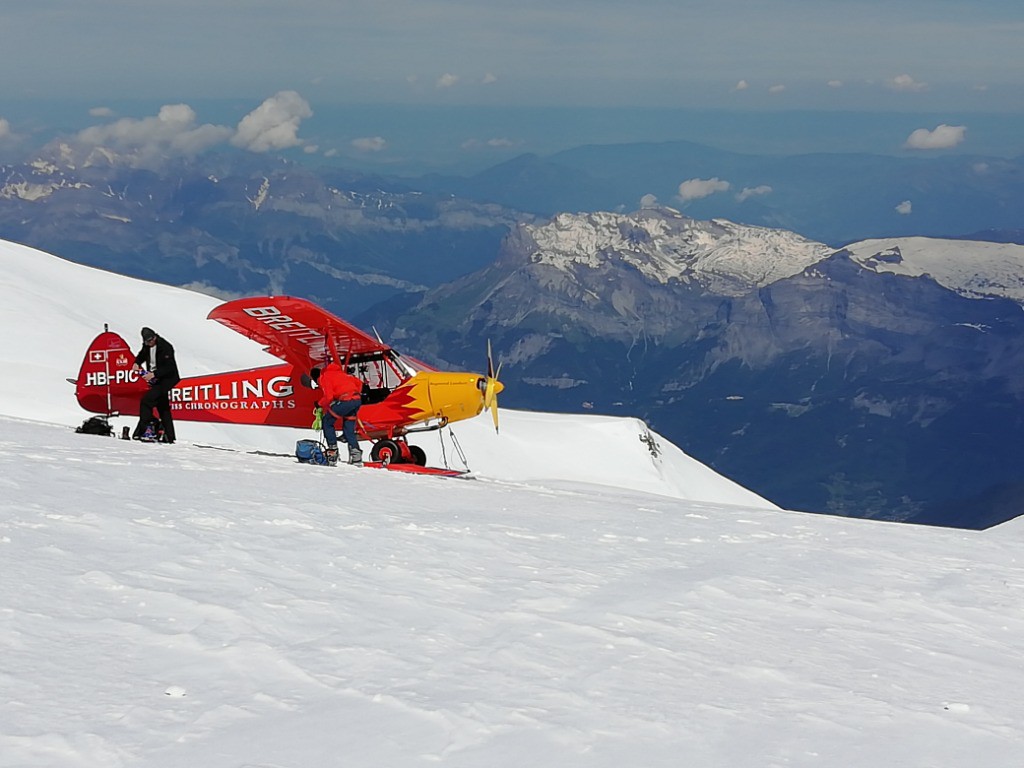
[[341, 396]]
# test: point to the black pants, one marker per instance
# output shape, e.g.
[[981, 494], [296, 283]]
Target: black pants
[[158, 397]]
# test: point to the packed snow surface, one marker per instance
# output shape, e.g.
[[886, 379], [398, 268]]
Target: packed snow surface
[[177, 606], [185, 606]]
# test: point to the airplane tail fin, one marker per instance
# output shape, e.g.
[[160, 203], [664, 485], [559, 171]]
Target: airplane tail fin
[[106, 383]]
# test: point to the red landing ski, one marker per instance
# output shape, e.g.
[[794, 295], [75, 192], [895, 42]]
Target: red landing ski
[[416, 469]]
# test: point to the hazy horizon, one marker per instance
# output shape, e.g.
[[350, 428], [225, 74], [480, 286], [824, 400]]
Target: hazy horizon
[[404, 139]]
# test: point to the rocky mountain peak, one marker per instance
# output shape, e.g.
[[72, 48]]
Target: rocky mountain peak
[[665, 246]]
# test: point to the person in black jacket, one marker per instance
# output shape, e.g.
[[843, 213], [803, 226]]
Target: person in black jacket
[[157, 358]]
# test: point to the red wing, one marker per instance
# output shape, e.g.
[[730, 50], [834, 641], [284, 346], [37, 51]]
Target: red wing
[[294, 330]]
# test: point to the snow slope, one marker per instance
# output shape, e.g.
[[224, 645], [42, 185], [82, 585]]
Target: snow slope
[[972, 269], [177, 607], [54, 308], [188, 607]]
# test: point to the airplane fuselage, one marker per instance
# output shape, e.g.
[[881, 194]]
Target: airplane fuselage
[[398, 397], [277, 395]]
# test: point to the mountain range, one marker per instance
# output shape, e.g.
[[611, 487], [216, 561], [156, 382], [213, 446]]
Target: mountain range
[[236, 224], [879, 380]]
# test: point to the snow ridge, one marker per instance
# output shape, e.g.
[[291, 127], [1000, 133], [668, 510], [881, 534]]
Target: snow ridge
[[971, 268], [666, 246], [732, 259]]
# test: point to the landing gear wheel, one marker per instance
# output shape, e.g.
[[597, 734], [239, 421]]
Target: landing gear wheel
[[386, 451], [419, 456]]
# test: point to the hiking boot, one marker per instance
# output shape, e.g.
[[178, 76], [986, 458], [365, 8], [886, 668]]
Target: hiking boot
[[355, 456], [332, 456]]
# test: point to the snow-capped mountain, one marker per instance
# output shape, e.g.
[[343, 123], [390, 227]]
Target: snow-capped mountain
[[870, 380], [58, 307], [664, 246], [974, 269], [730, 259]]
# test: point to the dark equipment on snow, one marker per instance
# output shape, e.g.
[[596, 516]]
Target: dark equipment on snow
[[96, 425], [310, 452]]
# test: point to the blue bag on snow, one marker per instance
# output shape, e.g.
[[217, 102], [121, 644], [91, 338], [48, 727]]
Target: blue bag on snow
[[310, 452]]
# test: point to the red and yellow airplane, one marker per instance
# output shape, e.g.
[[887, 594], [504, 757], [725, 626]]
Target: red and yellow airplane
[[399, 396]]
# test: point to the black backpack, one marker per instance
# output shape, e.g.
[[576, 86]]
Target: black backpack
[[96, 425]]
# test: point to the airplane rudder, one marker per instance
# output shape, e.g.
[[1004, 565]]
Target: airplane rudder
[[106, 366]]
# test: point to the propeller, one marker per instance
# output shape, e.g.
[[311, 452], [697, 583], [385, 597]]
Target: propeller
[[492, 387]]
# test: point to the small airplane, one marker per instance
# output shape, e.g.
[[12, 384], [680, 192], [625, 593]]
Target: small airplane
[[400, 396]]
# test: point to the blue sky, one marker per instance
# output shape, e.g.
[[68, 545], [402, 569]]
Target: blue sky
[[748, 54]]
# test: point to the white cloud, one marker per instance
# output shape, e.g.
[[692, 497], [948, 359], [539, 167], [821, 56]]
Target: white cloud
[[495, 143], [5, 129], [906, 83], [694, 189], [943, 137], [331, 153], [748, 192], [311, 149], [834, 83], [447, 80], [172, 132], [742, 85], [489, 78], [370, 144], [274, 124], [777, 89], [905, 208], [648, 201]]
